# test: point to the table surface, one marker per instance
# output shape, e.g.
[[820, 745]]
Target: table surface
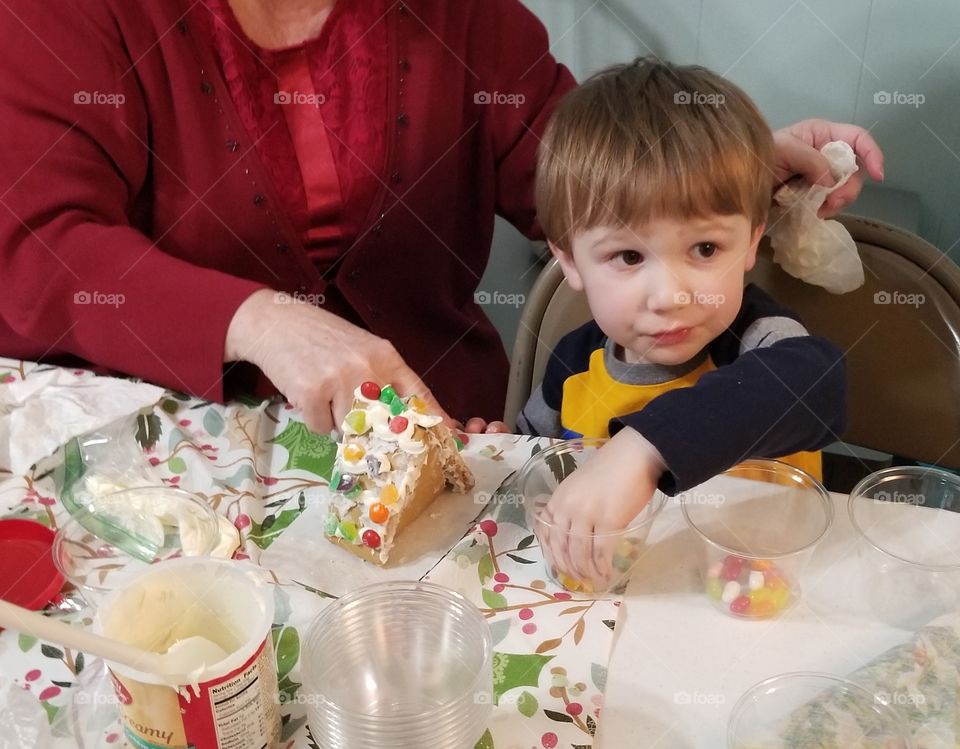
[[677, 665]]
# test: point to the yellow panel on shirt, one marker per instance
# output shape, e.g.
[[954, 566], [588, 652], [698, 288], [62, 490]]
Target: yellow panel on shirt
[[592, 398]]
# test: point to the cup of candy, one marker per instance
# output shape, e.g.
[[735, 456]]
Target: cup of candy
[[907, 521], [807, 710], [758, 524], [405, 664], [592, 563], [116, 535]]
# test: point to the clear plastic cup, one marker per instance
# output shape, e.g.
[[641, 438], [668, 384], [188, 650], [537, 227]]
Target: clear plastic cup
[[97, 564], [398, 664], [758, 524], [594, 563], [807, 710], [907, 521]]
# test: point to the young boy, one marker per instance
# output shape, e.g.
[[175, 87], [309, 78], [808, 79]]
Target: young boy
[[653, 187]]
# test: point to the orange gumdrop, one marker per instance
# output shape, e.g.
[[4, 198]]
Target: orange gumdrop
[[389, 494], [379, 513], [353, 452]]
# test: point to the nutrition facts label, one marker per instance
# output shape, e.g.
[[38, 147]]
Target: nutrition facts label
[[245, 708]]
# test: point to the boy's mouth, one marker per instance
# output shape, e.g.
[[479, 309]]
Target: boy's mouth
[[671, 337]]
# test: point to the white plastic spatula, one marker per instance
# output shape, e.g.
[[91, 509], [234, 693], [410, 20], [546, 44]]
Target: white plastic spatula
[[184, 656]]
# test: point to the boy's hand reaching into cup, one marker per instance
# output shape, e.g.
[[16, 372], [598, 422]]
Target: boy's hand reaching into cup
[[601, 497]]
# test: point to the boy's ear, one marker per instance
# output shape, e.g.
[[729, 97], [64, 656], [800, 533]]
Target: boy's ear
[[754, 245], [569, 268]]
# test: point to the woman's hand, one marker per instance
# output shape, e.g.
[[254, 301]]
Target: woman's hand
[[315, 358], [476, 425], [798, 153]]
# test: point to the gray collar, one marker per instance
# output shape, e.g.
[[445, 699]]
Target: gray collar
[[646, 374]]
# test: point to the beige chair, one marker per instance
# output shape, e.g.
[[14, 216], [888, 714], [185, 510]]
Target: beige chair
[[900, 332]]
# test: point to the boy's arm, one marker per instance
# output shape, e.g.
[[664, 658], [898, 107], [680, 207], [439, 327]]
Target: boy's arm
[[777, 390]]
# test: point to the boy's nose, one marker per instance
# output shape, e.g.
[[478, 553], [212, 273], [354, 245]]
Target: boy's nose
[[669, 292]]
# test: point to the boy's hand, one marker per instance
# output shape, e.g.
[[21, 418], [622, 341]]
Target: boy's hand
[[476, 425], [603, 495]]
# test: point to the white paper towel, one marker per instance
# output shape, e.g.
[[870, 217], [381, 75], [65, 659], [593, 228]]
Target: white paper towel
[[815, 250], [48, 408]]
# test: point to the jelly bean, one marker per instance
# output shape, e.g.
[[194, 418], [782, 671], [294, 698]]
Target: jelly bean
[[761, 564], [622, 563], [715, 569], [418, 404], [387, 394], [773, 579], [714, 588], [357, 421], [740, 605], [762, 596], [370, 390], [346, 482], [389, 494], [780, 597], [732, 566], [352, 452], [379, 513], [756, 580], [568, 582], [459, 443], [330, 524], [371, 538], [398, 424], [397, 407], [762, 609], [348, 530], [730, 591]]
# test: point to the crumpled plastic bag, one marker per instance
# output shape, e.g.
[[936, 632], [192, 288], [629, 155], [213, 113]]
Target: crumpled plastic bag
[[23, 721], [815, 250]]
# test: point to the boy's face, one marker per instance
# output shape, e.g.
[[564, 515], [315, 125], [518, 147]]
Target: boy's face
[[663, 290]]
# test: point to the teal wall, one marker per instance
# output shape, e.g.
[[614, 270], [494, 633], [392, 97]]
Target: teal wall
[[797, 59]]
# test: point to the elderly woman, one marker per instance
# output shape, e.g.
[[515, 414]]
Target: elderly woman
[[168, 167]]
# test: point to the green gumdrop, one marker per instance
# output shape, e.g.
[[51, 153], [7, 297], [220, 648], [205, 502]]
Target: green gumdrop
[[330, 524], [459, 442], [715, 588], [387, 394], [397, 407], [354, 490], [348, 530], [357, 421]]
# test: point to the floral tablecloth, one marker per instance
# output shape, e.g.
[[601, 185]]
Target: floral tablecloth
[[259, 466]]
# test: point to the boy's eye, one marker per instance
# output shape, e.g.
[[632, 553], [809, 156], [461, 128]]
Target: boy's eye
[[706, 249], [630, 257]]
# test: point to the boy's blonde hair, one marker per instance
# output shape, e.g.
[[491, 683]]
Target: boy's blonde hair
[[652, 140]]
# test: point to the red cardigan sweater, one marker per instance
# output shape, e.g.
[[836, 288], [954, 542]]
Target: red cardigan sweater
[[140, 205]]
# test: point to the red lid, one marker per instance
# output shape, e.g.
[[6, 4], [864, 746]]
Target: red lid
[[28, 576]]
